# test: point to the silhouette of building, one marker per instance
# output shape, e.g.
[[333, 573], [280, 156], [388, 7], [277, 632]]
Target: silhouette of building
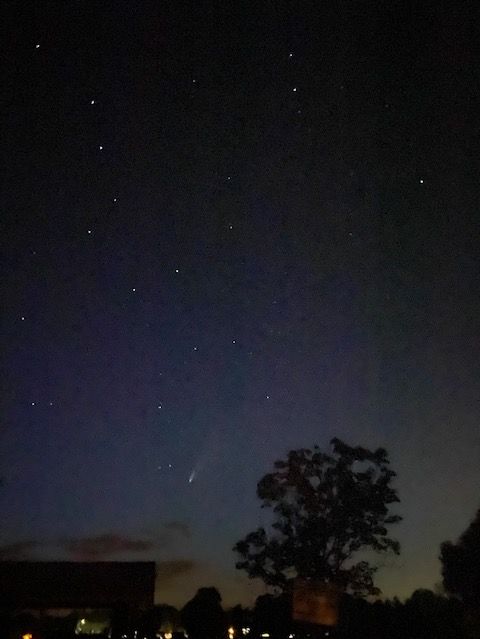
[[97, 598], [64, 584]]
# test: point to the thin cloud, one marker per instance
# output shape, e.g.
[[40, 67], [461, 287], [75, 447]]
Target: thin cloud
[[102, 546], [169, 570], [179, 527], [21, 550]]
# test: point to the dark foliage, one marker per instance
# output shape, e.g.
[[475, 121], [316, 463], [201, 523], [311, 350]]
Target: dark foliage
[[424, 616], [461, 565], [326, 507], [203, 616]]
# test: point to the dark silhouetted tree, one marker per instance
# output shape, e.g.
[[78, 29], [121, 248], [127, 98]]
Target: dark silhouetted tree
[[203, 616], [326, 507], [461, 572], [272, 614], [239, 617], [461, 565]]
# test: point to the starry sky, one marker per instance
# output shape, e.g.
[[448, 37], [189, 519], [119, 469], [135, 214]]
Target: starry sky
[[230, 229]]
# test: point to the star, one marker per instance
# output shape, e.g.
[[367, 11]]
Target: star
[[100, 147], [421, 181], [294, 89], [23, 318], [176, 270], [37, 46], [267, 396], [92, 101], [133, 290], [230, 226], [114, 199], [33, 403], [290, 55], [89, 231], [195, 348], [234, 341], [159, 406]]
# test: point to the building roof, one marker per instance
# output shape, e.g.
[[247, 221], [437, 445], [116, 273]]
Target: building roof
[[65, 584]]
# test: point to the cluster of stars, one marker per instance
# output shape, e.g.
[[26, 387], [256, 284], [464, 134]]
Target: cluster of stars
[[228, 178]]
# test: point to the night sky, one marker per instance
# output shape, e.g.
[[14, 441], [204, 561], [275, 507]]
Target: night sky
[[230, 229]]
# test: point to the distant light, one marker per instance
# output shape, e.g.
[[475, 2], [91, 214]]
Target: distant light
[[114, 199], [267, 396], [89, 231], [234, 341], [230, 226], [265, 634], [229, 177], [168, 635], [22, 318], [245, 631], [176, 270], [193, 81], [291, 636], [92, 101], [33, 403], [37, 46], [133, 290], [100, 147], [294, 89], [421, 181], [27, 635], [231, 632], [290, 55], [83, 621]]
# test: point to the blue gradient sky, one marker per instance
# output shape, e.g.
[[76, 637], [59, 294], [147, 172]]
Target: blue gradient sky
[[275, 246]]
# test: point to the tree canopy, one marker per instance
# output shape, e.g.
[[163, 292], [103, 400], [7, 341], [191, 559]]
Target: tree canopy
[[203, 616], [326, 508], [461, 565]]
